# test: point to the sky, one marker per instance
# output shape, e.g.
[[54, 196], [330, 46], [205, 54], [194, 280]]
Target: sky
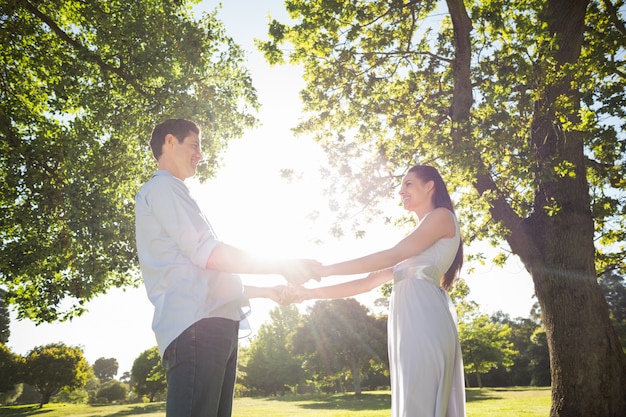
[[250, 206]]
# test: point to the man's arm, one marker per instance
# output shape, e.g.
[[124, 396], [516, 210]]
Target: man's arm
[[227, 258], [274, 293]]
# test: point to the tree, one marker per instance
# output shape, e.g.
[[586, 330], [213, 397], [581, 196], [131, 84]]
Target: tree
[[92, 387], [539, 365], [614, 289], [105, 369], [113, 390], [532, 365], [148, 375], [125, 377], [270, 367], [520, 104], [81, 86], [9, 397], [339, 337], [9, 369], [5, 318], [485, 344], [55, 366]]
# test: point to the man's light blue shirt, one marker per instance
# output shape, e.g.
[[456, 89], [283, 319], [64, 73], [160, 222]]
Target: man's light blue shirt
[[174, 241]]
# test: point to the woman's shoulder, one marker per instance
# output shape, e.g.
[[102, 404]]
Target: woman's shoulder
[[442, 213], [445, 220]]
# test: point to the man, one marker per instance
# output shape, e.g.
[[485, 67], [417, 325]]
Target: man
[[190, 278]]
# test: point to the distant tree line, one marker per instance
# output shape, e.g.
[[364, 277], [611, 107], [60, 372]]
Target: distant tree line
[[335, 346]]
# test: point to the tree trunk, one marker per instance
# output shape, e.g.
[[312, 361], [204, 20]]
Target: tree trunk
[[556, 243], [45, 398], [479, 382], [356, 377], [588, 366]]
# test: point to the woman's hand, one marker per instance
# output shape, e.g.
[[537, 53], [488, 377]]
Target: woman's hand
[[293, 294]]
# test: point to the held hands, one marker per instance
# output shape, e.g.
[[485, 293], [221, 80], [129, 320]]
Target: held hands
[[296, 272], [293, 294], [286, 294], [300, 271]]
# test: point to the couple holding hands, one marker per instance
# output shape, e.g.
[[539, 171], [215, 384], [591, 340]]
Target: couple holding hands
[[191, 279]]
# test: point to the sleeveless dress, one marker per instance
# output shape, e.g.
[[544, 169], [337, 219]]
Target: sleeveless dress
[[425, 360]]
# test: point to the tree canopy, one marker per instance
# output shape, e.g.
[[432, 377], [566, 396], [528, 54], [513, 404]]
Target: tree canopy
[[148, 374], [9, 369], [339, 337], [269, 366], [81, 87], [55, 366], [105, 369], [520, 105], [485, 345], [5, 319]]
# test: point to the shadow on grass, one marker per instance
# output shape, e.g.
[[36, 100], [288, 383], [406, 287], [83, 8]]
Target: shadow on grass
[[34, 410], [490, 393], [479, 395], [350, 401], [25, 410], [140, 409]]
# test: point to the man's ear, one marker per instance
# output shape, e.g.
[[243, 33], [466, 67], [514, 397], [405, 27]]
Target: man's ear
[[169, 142], [169, 139]]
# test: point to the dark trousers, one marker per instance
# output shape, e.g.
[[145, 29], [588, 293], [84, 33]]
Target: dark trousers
[[201, 367]]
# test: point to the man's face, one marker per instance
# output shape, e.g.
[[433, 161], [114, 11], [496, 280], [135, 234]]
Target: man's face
[[185, 156]]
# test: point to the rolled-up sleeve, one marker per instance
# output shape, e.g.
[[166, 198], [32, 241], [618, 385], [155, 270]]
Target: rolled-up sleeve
[[180, 219]]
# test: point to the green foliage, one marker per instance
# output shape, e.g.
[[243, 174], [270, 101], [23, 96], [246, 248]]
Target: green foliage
[[29, 395], [339, 338], [82, 86], [379, 76], [55, 366], [10, 369], [380, 85], [5, 318], [539, 364], [148, 374], [91, 387], [71, 396], [269, 367], [532, 364], [105, 369], [9, 397], [485, 344], [613, 287], [113, 391]]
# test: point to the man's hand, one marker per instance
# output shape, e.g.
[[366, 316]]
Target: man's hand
[[293, 294], [299, 271]]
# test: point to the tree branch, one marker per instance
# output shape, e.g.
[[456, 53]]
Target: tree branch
[[612, 12], [84, 50]]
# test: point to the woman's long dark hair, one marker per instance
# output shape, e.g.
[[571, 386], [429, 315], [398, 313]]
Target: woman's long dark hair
[[441, 199]]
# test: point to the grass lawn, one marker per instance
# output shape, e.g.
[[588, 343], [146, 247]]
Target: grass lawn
[[486, 402], [509, 402]]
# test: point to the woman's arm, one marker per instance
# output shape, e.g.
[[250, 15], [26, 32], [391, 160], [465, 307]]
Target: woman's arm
[[345, 289], [274, 293], [438, 224]]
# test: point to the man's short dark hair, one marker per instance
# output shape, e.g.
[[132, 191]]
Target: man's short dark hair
[[180, 128]]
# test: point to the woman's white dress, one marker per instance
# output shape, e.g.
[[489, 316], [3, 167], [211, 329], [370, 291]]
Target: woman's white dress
[[424, 351]]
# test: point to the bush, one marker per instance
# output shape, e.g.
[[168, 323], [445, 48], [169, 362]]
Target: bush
[[9, 397], [77, 396], [113, 390], [29, 395]]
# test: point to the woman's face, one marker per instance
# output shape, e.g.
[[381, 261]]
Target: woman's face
[[415, 192]]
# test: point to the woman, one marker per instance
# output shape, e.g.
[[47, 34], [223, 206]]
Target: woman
[[424, 351]]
